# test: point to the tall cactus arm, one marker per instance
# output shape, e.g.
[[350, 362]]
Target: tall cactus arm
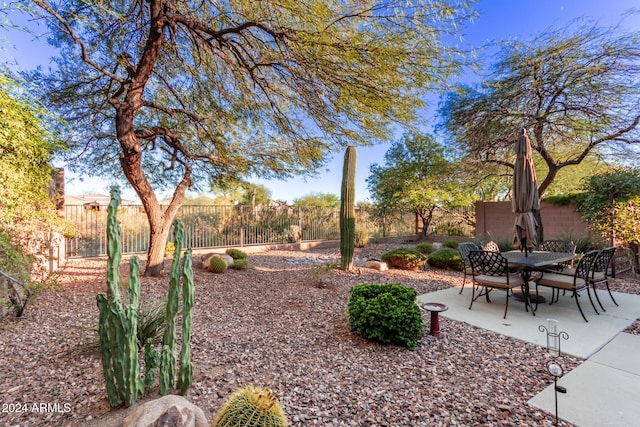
[[114, 246], [185, 374]]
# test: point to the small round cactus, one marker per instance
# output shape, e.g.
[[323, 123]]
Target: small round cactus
[[217, 264], [251, 407]]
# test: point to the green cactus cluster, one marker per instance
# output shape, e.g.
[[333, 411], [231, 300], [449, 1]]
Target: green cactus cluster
[[251, 407], [347, 209], [118, 323], [217, 264]]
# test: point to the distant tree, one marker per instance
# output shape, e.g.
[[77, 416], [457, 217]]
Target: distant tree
[[417, 176], [318, 199], [255, 194], [175, 92], [576, 90], [611, 205]]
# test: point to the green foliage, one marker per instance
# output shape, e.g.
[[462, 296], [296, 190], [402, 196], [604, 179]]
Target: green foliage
[[385, 313], [424, 248], [584, 243], [418, 176], [450, 244], [217, 264], [361, 237], [610, 203], [318, 199], [404, 258], [121, 333], [505, 244], [236, 254], [447, 258], [348, 209], [565, 199], [251, 407], [535, 82]]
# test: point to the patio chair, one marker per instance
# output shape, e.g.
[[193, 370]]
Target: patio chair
[[464, 248], [599, 272], [490, 246], [490, 270], [578, 281], [566, 246]]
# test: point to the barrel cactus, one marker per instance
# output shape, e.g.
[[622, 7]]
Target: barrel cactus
[[217, 264], [251, 407]]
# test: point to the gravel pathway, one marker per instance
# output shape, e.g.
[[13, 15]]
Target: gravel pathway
[[274, 325]]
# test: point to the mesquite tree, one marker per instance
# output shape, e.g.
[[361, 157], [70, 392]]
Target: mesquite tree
[[176, 92], [576, 89]]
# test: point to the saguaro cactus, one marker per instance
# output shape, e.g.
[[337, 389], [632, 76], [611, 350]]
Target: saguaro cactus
[[347, 209]]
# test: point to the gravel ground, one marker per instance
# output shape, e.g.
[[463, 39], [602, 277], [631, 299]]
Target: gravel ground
[[273, 325]]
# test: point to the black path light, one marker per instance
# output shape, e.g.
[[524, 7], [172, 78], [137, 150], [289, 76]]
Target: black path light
[[553, 348]]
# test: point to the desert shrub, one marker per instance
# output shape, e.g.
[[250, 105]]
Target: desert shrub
[[450, 244], [584, 244], [424, 247], [386, 313], [405, 258], [236, 254], [361, 237], [240, 264], [447, 258], [169, 249]]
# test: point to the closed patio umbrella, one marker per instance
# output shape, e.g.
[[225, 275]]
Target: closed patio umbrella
[[524, 199]]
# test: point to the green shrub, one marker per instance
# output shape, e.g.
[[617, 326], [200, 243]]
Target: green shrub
[[424, 247], [361, 237], [447, 258], [240, 264], [404, 258], [450, 244], [386, 313], [236, 254], [584, 244]]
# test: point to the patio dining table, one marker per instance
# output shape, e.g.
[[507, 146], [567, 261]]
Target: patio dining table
[[534, 261]]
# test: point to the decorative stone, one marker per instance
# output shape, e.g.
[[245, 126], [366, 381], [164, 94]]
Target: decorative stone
[[437, 245], [168, 411], [376, 265]]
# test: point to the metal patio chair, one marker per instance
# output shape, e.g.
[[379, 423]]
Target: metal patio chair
[[464, 248]]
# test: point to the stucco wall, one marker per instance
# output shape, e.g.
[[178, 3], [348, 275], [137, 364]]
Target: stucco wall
[[495, 220]]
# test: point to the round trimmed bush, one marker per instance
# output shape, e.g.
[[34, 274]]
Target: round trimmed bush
[[386, 313], [446, 258], [450, 244], [404, 258], [236, 254], [424, 247]]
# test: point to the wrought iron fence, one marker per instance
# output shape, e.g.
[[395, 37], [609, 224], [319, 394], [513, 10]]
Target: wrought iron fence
[[207, 226]]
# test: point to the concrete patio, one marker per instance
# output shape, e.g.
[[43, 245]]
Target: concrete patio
[[603, 390]]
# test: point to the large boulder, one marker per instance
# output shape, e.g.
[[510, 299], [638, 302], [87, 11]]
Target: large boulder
[[168, 411]]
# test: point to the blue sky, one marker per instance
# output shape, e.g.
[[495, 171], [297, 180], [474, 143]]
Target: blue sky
[[498, 20]]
